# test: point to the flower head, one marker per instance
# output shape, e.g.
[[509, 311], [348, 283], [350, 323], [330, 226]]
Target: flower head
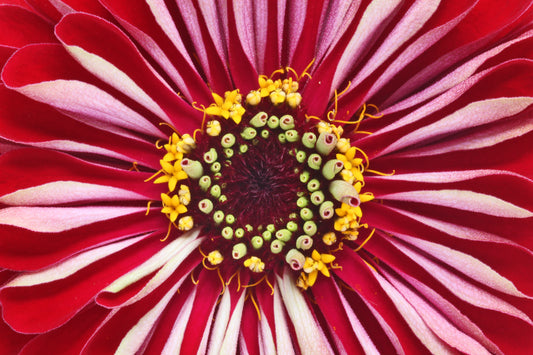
[[266, 177]]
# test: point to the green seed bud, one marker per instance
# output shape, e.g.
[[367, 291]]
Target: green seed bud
[[257, 242], [309, 140], [282, 138], [286, 122], [314, 161], [344, 192], [204, 182], [306, 214], [302, 202], [215, 191], [273, 122], [192, 168], [310, 228], [284, 235], [292, 136], [216, 166], [313, 185], [317, 197], [304, 242], [265, 134], [227, 140], [249, 133], [332, 168], [301, 156], [271, 228], [292, 226], [325, 143], [218, 217], [304, 177], [205, 206], [210, 156], [276, 246], [243, 148], [230, 219], [227, 232], [249, 228], [326, 210], [239, 250], [228, 152], [222, 198], [259, 120], [295, 259], [239, 232], [267, 235]]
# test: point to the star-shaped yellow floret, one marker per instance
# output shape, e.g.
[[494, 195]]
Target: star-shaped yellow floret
[[227, 107], [173, 174], [317, 262], [172, 206]]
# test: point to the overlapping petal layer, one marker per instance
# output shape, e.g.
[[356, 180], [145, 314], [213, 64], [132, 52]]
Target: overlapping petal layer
[[89, 87]]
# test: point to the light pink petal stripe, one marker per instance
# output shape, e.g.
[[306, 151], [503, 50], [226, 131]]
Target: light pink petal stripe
[[260, 17], [411, 22], [463, 200], [461, 288], [113, 76], [453, 314], [59, 219], [282, 6], [458, 75], [71, 146], [166, 261], [448, 176], [229, 345], [216, 25], [333, 24], [437, 323], [372, 24], [71, 265], [164, 20], [175, 338], [461, 232], [90, 105], [243, 10], [61, 7], [190, 17], [473, 115], [481, 139], [413, 319], [311, 337], [387, 329], [466, 264], [359, 330], [58, 192], [295, 24], [416, 48], [283, 338], [133, 341], [266, 340]]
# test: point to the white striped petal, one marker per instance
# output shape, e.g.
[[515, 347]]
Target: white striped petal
[[71, 265], [413, 319], [60, 219], [461, 288], [175, 338], [463, 200], [137, 335], [113, 76], [372, 24], [91, 105], [221, 323], [411, 22], [59, 192], [466, 264], [473, 115], [266, 340], [168, 258], [311, 337], [437, 323], [448, 176], [359, 330], [229, 345], [283, 338]]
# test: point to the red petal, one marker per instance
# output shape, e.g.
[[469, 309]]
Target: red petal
[[21, 27]]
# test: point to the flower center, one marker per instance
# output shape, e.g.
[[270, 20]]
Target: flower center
[[270, 186]]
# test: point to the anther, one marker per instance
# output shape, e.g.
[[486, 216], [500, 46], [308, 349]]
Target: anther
[[215, 258], [213, 128], [329, 238]]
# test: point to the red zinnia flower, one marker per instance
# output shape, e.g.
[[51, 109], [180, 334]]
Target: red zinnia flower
[[266, 177]]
